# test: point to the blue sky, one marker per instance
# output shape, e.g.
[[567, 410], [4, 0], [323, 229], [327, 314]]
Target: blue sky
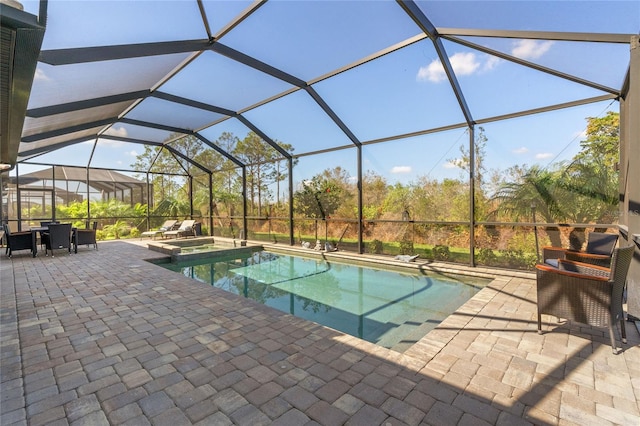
[[401, 93]]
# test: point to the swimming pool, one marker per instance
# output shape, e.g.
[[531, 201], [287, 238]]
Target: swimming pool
[[389, 308]]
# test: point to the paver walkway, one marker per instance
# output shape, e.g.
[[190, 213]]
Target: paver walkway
[[104, 337]]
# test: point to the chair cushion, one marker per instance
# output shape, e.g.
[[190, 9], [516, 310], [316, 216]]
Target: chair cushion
[[552, 262], [600, 243]]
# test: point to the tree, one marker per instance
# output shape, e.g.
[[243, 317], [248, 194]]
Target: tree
[[592, 177], [157, 159], [165, 167], [317, 198], [479, 155], [374, 192], [261, 160], [603, 140], [531, 188], [582, 191], [232, 181], [342, 185]]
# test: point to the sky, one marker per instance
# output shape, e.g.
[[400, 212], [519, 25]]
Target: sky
[[403, 92]]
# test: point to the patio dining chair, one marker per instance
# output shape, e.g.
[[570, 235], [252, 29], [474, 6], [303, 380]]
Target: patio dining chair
[[17, 240], [58, 237], [598, 251], [43, 236], [81, 237], [585, 293]]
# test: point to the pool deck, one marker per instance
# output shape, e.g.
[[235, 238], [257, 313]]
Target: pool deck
[[99, 338]]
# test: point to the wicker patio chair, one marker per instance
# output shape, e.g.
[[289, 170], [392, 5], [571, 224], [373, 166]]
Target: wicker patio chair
[[598, 251], [17, 240], [85, 237], [585, 293], [58, 237]]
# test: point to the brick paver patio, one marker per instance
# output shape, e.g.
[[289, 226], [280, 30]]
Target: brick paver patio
[[104, 337]]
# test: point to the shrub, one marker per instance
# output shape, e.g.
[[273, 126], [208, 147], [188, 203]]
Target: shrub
[[486, 256], [517, 259], [406, 247], [441, 252], [375, 246]]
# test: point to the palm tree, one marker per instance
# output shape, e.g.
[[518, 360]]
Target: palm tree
[[594, 186], [535, 188]]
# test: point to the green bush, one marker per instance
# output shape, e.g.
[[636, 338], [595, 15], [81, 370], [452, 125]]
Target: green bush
[[406, 247], [375, 246], [486, 256], [441, 252], [517, 259]]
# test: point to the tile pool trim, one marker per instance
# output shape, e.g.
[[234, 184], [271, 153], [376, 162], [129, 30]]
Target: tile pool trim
[[224, 247]]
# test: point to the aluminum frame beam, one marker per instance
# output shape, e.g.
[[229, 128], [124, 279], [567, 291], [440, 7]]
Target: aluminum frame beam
[[532, 65], [537, 35], [88, 103], [430, 30]]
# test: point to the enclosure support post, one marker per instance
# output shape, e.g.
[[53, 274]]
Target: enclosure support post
[[53, 193], [93, 150], [472, 197], [18, 200], [630, 174], [360, 201], [148, 202], [244, 202], [2, 205], [211, 204], [290, 166], [190, 197], [88, 201]]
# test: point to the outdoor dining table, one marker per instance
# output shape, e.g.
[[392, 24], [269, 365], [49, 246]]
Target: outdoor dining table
[[34, 237]]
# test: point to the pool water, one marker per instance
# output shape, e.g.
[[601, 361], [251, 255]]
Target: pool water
[[385, 307]]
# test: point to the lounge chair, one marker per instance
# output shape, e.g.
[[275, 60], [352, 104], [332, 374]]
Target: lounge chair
[[585, 293], [166, 226], [85, 237], [598, 251], [18, 240], [185, 230], [58, 237]]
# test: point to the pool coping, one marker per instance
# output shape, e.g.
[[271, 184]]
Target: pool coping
[[173, 247]]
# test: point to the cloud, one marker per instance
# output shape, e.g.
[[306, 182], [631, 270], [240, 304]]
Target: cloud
[[521, 150], [453, 164], [117, 131], [133, 153], [544, 155], [432, 72], [40, 75], [530, 49], [491, 63], [463, 63], [401, 169]]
